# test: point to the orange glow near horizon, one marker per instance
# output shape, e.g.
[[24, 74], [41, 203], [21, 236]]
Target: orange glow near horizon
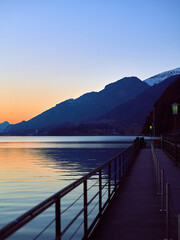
[[23, 100], [20, 111], [22, 104], [15, 115], [69, 48]]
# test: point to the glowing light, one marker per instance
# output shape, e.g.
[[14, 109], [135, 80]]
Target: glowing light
[[175, 108]]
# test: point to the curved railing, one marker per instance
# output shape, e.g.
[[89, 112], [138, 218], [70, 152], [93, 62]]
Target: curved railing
[[172, 218], [172, 150], [106, 179]]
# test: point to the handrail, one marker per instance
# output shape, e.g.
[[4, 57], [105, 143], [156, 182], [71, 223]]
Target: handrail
[[164, 190], [172, 150], [123, 160]]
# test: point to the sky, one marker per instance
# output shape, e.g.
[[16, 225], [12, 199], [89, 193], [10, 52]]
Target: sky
[[53, 50]]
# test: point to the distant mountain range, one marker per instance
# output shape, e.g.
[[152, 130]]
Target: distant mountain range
[[120, 106], [85, 108]]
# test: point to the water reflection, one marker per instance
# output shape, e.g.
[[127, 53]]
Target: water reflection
[[34, 168], [67, 139], [61, 145], [30, 175]]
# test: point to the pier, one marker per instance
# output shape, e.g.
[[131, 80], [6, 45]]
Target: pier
[[136, 196]]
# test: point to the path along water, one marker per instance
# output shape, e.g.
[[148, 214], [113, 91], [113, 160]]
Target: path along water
[[135, 211]]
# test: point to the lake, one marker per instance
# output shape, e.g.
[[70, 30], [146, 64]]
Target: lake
[[34, 168]]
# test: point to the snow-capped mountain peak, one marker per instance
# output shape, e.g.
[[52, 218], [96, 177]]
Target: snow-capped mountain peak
[[162, 76]]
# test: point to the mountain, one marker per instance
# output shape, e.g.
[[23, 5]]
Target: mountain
[[132, 114], [164, 119], [120, 106], [86, 107], [3, 126], [162, 76]]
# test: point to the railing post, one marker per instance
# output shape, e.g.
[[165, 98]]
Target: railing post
[[109, 181], [58, 219], [100, 192], [162, 190], [85, 208], [167, 211], [115, 176]]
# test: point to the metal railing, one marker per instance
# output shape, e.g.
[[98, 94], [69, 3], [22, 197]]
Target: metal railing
[[171, 150], [167, 205], [171, 138], [107, 178]]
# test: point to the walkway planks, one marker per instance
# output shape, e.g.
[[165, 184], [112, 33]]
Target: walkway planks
[[134, 212]]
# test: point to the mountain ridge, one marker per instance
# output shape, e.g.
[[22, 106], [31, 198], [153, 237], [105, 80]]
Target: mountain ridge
[[86, 107], [162, 76], [101, 107], [135, 111], [3, 126]]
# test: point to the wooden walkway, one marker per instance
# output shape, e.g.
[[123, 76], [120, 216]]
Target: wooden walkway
[[135, 212]]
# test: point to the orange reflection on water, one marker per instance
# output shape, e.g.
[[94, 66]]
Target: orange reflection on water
[[24, 163], [28, 168]]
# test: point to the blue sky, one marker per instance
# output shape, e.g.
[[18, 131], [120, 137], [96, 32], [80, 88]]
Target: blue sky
[[54, 50]]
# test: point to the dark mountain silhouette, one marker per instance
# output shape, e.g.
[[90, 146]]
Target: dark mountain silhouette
[[164, 119], [86, 107], [127, 118], [3, 126], [132, 114], [120, 108]]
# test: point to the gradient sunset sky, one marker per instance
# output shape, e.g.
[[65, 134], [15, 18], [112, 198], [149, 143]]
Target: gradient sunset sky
[[52, 50]]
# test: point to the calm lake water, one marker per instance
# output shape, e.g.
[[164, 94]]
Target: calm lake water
[[34, 168]]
